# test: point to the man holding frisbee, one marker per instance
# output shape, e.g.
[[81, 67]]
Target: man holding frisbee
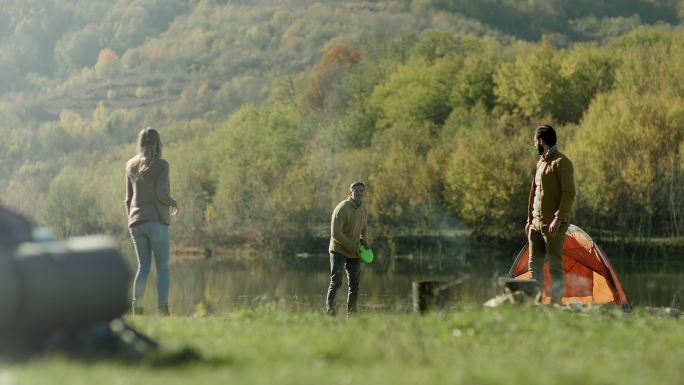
[[348, 227]]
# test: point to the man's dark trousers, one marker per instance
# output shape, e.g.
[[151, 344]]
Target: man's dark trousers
[[544, 246], [353, 268]]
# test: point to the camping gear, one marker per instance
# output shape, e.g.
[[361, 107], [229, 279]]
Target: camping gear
[[526, 286], [365, 254], [589, 276], [56, 285], [65, 284], [66, 296]]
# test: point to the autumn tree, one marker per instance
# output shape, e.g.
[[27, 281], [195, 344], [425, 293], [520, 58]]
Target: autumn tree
[[324, 88]]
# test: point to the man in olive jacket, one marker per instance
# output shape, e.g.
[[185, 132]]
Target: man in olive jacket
[[550, 205], [348, 227]]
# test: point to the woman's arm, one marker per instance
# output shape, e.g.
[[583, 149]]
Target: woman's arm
[[129, 194], [163, 187]]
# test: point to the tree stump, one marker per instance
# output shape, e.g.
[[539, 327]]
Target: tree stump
[[428, 295]]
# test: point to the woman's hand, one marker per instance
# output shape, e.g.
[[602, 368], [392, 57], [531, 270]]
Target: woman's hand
[[175, 210]]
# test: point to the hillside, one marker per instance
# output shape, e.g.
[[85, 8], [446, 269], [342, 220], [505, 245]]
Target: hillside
[[263, 102]]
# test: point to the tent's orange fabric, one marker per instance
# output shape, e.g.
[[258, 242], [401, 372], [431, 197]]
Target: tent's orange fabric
[[589, 276]]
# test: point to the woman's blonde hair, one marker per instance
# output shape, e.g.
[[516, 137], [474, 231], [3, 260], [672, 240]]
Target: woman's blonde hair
[[149, 148]]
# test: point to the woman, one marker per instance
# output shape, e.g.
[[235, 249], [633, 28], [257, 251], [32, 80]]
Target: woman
[[148, 201]]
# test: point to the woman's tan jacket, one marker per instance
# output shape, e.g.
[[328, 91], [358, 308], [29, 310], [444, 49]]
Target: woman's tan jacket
[[148, 197]]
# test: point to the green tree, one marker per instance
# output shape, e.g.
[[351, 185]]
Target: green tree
[[69, 207], [557, 84], [417, 92], [434, 44], [649, 62], [251, 153], [194, 187], [532, 85], [628, 163], [78, 50], [475, 82], [487, 182], [403, 181]]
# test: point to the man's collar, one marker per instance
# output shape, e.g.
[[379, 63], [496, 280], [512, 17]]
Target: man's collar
[[550, 152], [356, 206]]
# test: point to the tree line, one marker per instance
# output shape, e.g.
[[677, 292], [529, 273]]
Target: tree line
[[441, 137], [437, 121]]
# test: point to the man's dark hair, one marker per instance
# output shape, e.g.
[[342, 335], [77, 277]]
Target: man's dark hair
[[547, 134]]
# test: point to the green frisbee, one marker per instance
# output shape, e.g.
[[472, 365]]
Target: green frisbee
[[365, 254]]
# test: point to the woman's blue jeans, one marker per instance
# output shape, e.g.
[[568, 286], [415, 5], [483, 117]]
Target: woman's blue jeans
[[151, 238]]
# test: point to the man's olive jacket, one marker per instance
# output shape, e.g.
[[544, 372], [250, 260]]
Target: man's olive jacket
[[557, 188]]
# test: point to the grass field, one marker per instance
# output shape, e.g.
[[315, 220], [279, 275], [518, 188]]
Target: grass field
[[510, 345]]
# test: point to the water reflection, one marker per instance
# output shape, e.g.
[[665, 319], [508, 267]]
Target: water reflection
[[217, 284]]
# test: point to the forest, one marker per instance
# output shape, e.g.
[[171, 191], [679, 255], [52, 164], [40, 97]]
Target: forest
[[269, 109]]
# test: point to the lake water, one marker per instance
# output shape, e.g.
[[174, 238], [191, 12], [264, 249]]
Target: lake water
[[223, 284]]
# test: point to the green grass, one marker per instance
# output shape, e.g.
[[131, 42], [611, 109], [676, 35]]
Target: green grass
[[514, 345]]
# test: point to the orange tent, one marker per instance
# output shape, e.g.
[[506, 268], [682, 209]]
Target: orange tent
[[589, 276]]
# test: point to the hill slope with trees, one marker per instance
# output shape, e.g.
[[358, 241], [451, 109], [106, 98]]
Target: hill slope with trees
[[268, 109]]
